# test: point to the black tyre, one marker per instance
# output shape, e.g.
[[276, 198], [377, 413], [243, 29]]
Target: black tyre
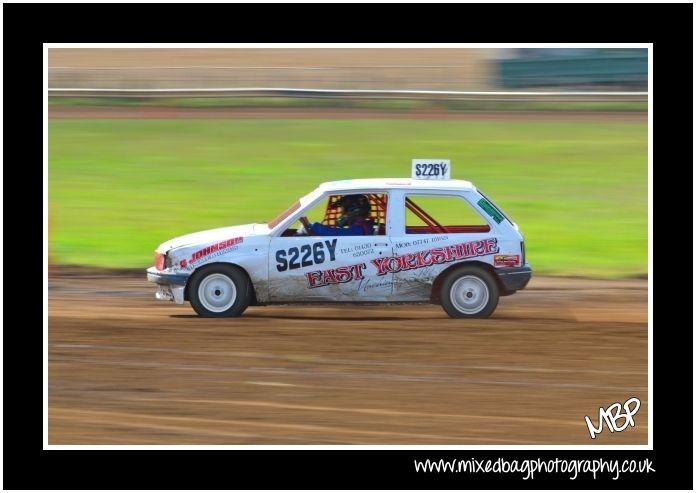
[[220, 291], [469, 292]]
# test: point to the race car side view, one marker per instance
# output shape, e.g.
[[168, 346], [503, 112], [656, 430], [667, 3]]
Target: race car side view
[[401, 253]]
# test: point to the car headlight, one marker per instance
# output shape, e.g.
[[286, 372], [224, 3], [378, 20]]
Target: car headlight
[[159, 260]]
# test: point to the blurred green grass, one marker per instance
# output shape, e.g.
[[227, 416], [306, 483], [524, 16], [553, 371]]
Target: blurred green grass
[[119, 188], [375, 103]]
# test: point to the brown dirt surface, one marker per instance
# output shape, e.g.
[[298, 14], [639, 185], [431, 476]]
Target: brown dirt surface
[[58, 112], [125, 368], [461, 68], [464, 58]]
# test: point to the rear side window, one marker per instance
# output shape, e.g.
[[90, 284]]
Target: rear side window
[[432, 214]]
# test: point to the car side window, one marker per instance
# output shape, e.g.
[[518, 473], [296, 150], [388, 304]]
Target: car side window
[[433, 214], [332, 218]]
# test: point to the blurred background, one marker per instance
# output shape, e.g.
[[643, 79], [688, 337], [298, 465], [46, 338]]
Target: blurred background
[[147, 144], [455, 69]]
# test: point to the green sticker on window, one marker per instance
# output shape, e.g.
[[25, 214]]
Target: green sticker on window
[[492, 211]]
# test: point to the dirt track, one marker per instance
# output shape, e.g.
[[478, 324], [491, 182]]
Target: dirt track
[[127, 369]]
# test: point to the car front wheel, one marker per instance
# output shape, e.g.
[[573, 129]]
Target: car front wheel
[[469, 292], [220, 291]]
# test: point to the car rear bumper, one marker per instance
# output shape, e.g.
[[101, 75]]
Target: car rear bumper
[[515, 278]]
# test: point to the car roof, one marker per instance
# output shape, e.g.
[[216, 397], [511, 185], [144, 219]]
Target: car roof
[[390, 183]]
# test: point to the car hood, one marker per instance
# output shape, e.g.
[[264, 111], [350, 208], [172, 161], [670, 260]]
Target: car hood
[[214, 235]]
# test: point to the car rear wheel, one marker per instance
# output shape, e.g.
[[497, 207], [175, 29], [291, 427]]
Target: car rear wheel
[[220, 291], [469, 292]]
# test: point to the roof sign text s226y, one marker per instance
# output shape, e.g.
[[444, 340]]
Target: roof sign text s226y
[[430, 169]]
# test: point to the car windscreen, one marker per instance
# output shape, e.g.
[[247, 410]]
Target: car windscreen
[[283, 215]]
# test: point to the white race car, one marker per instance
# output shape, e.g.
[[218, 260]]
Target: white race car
[[401, 253]]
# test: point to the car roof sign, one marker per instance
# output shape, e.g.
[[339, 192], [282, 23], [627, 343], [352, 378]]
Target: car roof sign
[[430, 169]]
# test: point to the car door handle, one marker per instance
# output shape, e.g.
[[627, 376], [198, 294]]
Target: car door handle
[[381, 244]]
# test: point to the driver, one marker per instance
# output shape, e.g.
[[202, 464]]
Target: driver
[[353, 220]]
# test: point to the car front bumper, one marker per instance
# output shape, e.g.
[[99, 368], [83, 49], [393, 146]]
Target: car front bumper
[[170, 287], [515, 278]]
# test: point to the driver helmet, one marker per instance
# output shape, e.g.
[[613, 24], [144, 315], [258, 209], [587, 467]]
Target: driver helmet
[[354, 207]]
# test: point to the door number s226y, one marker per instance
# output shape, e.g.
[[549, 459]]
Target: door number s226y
[[306, 255]]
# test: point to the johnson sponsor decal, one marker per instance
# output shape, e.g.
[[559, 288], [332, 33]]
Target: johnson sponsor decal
[[439, 255], [215, 249]]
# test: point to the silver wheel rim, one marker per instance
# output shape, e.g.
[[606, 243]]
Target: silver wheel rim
[[217, 293], [469, 294]]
